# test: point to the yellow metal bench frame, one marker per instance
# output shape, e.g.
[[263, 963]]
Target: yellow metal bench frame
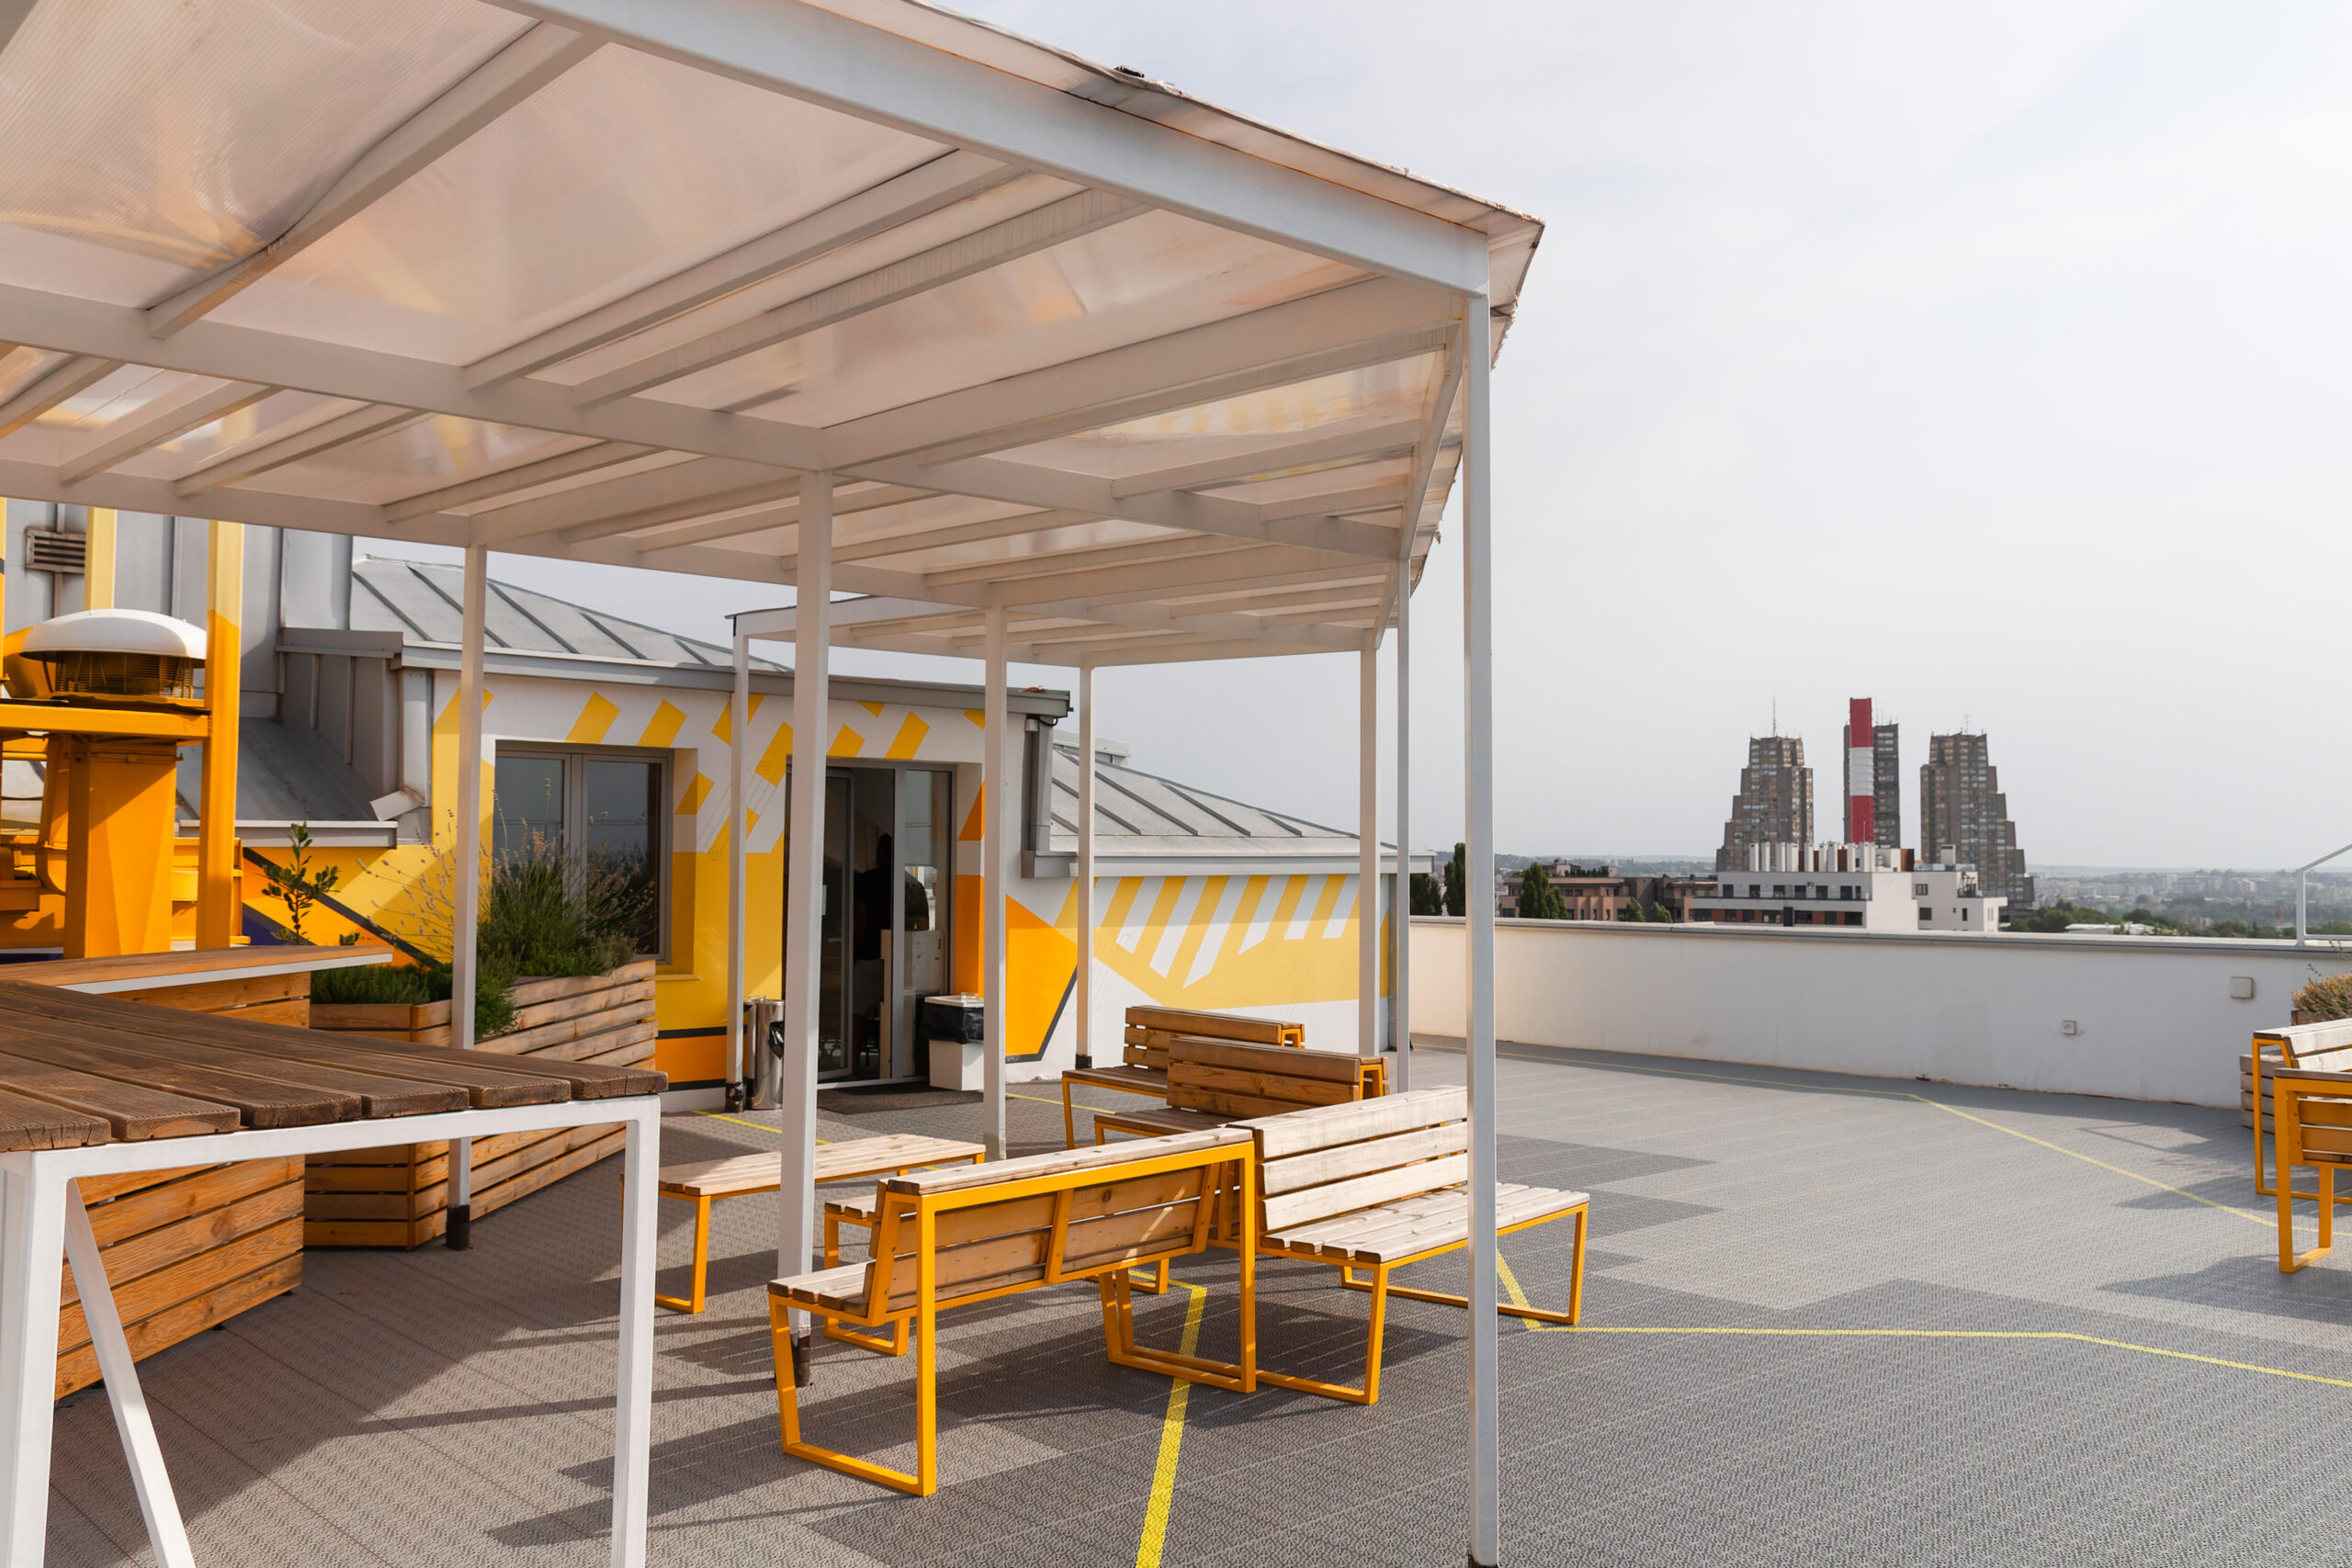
[[902, 1205], [691, 1302], [2311, 1112]]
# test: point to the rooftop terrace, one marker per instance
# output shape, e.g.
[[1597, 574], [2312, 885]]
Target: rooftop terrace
[[1829, 1320]]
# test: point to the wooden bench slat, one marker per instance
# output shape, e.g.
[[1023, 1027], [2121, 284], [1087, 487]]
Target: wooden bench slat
[[740, 1175], [1165, 1121], [1303, 1129], [1341, 1161], [1132, 1079], [1362, 1191], [1218, 1025], [1284, 1061], [1055, 1163], [30, 1124], [260, 1101], [1204, 1076], [132, 1113]]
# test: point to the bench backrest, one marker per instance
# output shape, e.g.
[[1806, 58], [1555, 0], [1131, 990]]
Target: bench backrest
[[2327, 1044], [1047, 1218], [1315, 1165], [1147, 1021], [1230, 1079]]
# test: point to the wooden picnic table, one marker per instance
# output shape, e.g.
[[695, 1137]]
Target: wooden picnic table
[[95, 1086]]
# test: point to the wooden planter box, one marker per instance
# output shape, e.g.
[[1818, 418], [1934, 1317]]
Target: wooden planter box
[[399, 1196], [184, 1250]]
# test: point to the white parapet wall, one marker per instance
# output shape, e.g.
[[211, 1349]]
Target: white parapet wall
[[2151, 1018]]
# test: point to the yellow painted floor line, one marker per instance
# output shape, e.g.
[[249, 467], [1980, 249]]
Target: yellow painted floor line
[[1909, 1094], [1519, 1298], [2059, 1149], [1172, 1439]]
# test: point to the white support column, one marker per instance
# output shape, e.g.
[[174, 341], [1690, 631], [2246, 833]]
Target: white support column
[[1478, 907], [32, 1226], [1368, 849], [996, 795], [738, 739], [1085, 995], [1400, 989], [165, 1531], [805, 878], [633, 1397], [465, 919]]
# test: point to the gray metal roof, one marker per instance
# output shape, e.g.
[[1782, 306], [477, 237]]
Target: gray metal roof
[[1140, 814], [422, 600]]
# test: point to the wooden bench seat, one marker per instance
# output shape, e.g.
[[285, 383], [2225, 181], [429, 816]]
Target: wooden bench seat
[[954, 1238], [702, 1182], [1377, 1184], [2327, 1044]]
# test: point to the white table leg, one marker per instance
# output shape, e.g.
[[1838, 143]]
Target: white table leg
[[156, 1504], [633, 1415], [33, 1243]]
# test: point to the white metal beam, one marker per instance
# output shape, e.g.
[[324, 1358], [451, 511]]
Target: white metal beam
[[696, 481], [1354, 445], [1025, 234], [682, 510], [246, 462], [62, 322], [803, 907], [1027, 484], [1345, 328], [523, 476], [1479, 968], [907, 542], [807, 53], [165, 419], [75, 376], [1085, 991], [946, 180], [505, 79]]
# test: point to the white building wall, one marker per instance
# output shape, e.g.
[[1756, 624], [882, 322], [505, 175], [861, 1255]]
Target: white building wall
[[2153, 1017]]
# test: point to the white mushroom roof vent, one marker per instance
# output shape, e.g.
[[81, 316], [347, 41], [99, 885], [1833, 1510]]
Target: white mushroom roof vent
[[118, 653]]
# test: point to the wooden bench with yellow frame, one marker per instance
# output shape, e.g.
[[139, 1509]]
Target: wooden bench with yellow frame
[[2325, 1045], [1143, 1069], [955, 1238], [1376, 1185], [704, 1182], [2311, 1110]]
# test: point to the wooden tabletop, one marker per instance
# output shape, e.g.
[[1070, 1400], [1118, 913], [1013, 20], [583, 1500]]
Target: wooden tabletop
[[147, 970], [76, 1068]]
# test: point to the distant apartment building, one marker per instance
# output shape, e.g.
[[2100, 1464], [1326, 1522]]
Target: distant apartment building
[[1869, 887], [1964, 818], [1600, 893], [1774, 805]]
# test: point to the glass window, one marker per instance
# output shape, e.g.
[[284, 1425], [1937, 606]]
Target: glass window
[[599, 812]]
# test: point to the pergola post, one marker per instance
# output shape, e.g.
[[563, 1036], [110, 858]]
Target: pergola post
[[805, 895], [995, 808], [1400, 993], [1368, 848], [465, 849], [1478, 907], [1085, 995], [739, 725], [217, 910]]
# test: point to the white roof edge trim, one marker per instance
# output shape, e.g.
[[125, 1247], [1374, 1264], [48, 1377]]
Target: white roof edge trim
[[889, 76]]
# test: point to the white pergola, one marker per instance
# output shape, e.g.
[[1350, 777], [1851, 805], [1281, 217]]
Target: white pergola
[[1044, 361]]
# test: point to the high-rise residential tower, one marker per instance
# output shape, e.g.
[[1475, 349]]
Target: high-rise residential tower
[[1774, 805], [1962, 808], [1886, 785]]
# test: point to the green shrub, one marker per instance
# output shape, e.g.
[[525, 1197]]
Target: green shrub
[[540, 916], [2327, 999]]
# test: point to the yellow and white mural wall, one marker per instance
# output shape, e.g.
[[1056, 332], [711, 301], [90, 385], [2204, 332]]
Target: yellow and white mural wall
[[1276, 945]]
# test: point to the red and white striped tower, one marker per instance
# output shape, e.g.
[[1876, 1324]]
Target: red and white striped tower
[[1862, 791]]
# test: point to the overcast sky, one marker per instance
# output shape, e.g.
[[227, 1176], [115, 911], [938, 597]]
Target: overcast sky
[[1986, 359]]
